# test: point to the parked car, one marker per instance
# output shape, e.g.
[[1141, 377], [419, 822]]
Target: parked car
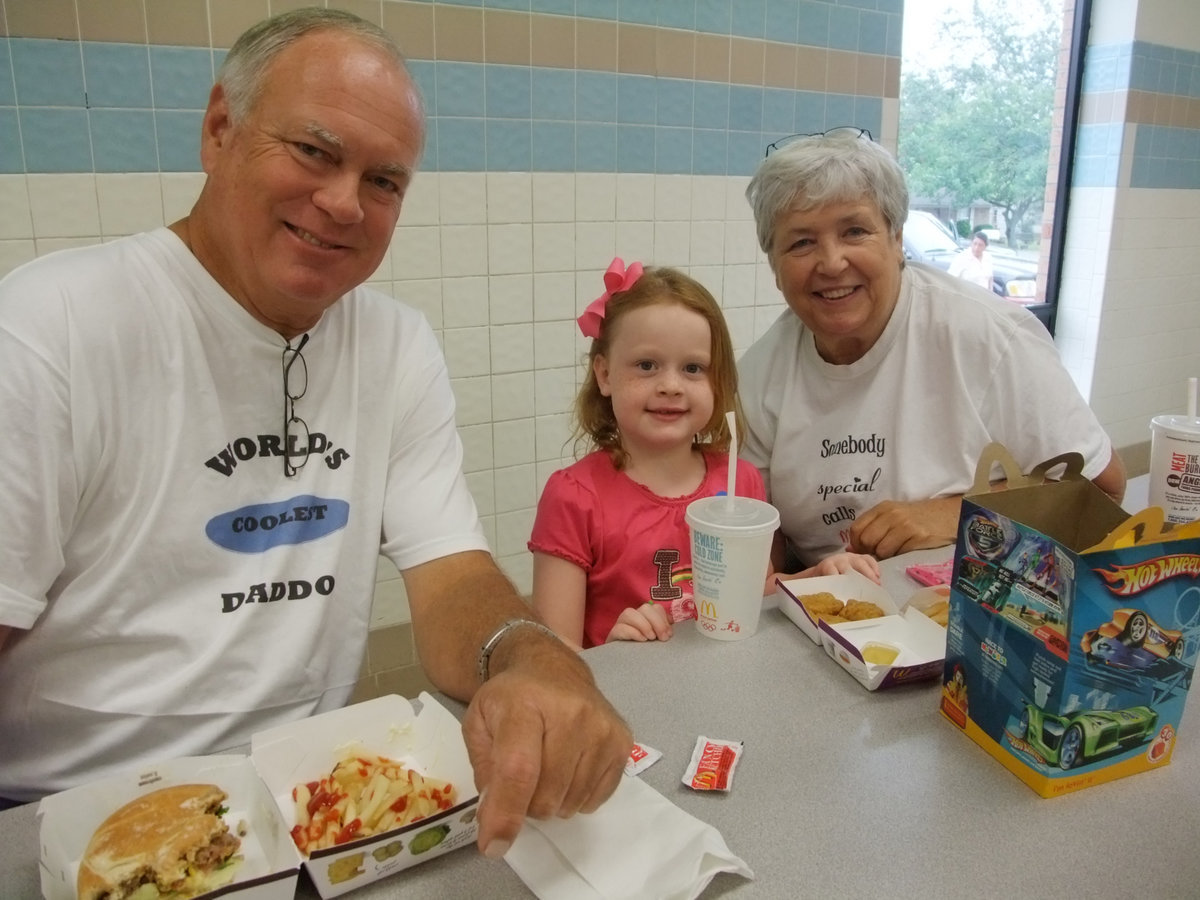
[[928, 240]]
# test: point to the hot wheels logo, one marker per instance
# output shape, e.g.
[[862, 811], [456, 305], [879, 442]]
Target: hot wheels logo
[[1127, 580]]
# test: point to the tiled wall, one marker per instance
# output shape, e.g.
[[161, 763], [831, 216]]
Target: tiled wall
[[1129, 310]]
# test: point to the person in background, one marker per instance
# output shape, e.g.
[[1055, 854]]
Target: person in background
[[869, 401], [611, 550], [213, 431], [974, 263]]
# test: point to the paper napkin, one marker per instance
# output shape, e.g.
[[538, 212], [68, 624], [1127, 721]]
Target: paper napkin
[[637, 845]]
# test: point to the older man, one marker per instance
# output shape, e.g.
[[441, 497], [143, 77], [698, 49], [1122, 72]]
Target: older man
[[212, 432]]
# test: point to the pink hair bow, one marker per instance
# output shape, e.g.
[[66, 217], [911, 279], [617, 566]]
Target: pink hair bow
[[616, 279]]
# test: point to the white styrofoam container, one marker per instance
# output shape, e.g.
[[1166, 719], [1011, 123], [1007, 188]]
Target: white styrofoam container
[[428, 739], [270, 864]]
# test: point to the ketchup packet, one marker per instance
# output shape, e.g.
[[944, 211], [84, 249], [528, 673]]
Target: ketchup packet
[[712, 764], [641, 758]]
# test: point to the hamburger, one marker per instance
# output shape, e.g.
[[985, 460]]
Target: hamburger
[[167, 843]]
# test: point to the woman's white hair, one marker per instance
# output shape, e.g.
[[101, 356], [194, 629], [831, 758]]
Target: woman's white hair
[[813, 171], [243, 72]]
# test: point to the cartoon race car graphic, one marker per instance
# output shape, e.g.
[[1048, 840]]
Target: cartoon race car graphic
[[1133, 640], [1078, 737]]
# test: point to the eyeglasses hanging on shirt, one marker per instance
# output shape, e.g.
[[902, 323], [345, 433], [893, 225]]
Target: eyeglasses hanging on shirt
[[295, 429]]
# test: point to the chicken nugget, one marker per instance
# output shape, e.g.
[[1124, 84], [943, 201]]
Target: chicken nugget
[[939, 612], [821, 603], [857, 610], [831, 618]]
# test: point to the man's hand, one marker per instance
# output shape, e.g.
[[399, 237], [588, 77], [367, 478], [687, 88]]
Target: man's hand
[[543, 742], [894, 527], [648, 622], [841, 563]]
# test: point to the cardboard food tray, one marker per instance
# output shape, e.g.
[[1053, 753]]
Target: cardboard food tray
[[269, 867], [428, 740], [1074, 627], [920, 641]]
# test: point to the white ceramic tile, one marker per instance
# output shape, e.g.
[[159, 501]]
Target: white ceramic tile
[[510, 299], [741, 244], [515, 487], [512, 532], [462, 198], [554, 391], [17, 221], [53, 245], [483, 489], [737, 207], [417, 252], [129, 203], [383, 271], [554, 247], [553, 437], [390, 604], [673, 243], [489, 530], [467, 351], [512, 396], [554, 296], [509, 197], [425, 296], [14, 253], [465, 301], [421, 200], [740, 322], [512, 444], [635, 197], [511, 347], [464, 250], [64, 206], [708, 198], [635, 241], [519, 568], [385, 568], [738, 287], [553, 197], [472, 399], [179, 193], [672, 197], [553, 344], [510, 249], [595, 246], [595, 197], [477, 447], [707, 243]]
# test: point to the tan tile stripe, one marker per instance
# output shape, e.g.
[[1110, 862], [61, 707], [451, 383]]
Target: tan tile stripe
[[433, 31], [1141, 108]]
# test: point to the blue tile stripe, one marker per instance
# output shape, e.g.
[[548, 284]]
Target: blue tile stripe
[[88, 107], [1162, 156]]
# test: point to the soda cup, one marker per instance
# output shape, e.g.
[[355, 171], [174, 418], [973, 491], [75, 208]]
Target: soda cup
[[731, 548], [1175, 467]]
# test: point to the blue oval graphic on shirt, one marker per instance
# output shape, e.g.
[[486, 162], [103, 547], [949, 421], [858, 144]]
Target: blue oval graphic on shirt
[[257, 528]]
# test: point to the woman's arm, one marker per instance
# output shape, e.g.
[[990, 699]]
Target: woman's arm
[[560, 596]]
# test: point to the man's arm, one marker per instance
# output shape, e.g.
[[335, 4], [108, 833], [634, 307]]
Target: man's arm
[[542, 739], [1112, 480], [4, 630]]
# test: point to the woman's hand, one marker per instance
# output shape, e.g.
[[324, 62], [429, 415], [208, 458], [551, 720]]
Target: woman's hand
[[894, 527], [648, 622]]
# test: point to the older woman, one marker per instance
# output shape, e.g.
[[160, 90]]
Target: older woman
[[868, 402]]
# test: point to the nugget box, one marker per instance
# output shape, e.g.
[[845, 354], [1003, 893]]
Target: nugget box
[[880, 653], [1074, 629], [269, 865], [425, 737]]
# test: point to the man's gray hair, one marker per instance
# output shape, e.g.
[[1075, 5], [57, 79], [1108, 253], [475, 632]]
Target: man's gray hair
[[243, 72], [813, 171]]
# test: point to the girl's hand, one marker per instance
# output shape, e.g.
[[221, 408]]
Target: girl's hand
[[648, 622], [840, 563]]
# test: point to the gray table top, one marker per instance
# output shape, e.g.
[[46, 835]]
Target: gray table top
[[841, 791]]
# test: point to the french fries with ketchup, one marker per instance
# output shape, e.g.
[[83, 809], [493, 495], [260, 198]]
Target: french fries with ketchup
[[362, 796]]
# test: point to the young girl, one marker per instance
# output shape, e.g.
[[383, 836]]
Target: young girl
[[611, 550]]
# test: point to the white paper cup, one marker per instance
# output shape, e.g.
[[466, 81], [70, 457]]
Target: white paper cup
[[1175, 467], [731, 547]]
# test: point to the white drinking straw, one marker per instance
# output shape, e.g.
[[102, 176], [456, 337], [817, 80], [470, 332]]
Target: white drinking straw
[[731, 420], [1192, 397]]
